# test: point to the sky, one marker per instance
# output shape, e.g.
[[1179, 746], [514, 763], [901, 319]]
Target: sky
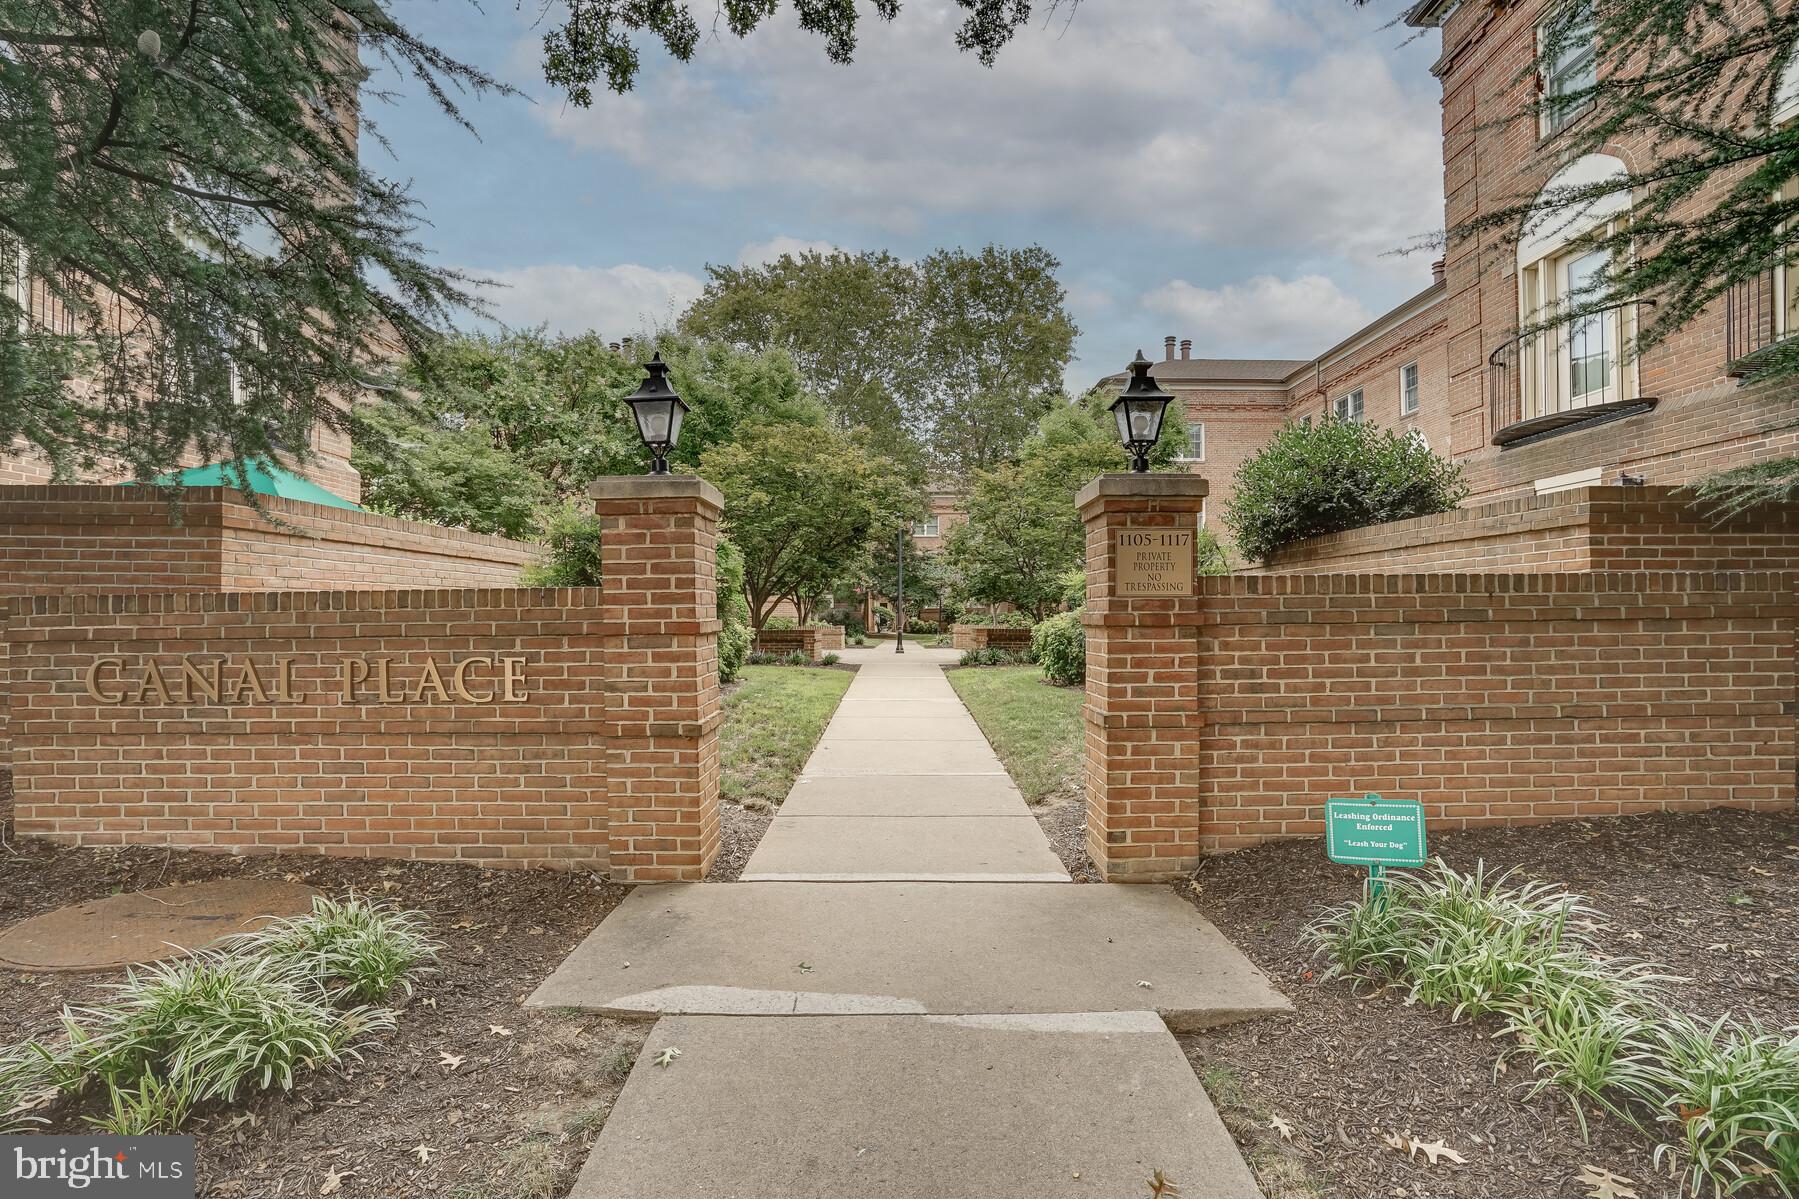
[[1238, 172]]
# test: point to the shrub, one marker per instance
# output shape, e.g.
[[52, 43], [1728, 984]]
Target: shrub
[[780, 624], [734, 610], [571, 549], [921, 628], [203, 1027], [1060, 644], [848, 619], [1325, 476], [830, 659], [353, 948], [1074, 588], [858, 639], [993, 655], [761, 659], [797, 658], [26, 1076]]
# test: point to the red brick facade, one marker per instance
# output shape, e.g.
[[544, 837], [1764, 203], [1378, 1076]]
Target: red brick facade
[[1226, 718], [815, 641], [1588, 528], [979, 636]]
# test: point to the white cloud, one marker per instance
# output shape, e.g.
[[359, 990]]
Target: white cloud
[[1247, 121], [615, 301], [761, 253], [1261, 317]]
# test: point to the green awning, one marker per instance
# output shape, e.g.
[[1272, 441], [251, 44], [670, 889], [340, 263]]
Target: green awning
[[264, 479]]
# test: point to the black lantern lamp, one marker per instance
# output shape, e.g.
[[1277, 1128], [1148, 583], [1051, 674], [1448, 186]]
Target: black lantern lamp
[[1139, 413], [659, 412]]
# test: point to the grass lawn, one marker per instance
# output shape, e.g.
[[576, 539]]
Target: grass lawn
[[1035, 728], [773, 718]]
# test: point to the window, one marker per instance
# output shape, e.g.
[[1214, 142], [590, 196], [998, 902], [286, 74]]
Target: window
[[1196, 443], [1571, 66], [1408, 389], [1348, 407], [15, 277], [927, 527]]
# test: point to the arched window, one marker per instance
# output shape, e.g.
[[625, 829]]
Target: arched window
[[1576, 363]]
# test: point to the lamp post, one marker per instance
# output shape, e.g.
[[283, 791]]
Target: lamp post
[[899, 601], [658, 412], [1139, 411]]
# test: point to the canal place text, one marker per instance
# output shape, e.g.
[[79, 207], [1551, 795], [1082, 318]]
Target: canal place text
[[232, 681]]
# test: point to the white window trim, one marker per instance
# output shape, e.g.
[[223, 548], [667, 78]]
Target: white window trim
[[1550, 119], [1544, 366], [1188, 455], [1361, 405], [928, 527], [1417, 394]]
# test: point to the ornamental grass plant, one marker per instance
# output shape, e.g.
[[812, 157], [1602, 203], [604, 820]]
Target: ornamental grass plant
[[354, 948], [1602, 1030]]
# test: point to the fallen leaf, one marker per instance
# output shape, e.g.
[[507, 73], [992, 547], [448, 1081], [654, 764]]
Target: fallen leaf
[[805, 967], [334, 1181], [449, 1060], [430, 1001], [1603, 1184], [1281, 1126], [1145, 983], [423, 1152], [666, 1056], [497, 1031], [1163, 1187], [1435, 1151], [1395, 1141]]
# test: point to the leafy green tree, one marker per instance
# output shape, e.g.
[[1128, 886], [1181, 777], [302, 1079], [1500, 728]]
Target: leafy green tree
[[598, 39], [803, 501], [488, 432], [843, 318], [994, 337], [1023, 533], [1317, 477], [181, 178]]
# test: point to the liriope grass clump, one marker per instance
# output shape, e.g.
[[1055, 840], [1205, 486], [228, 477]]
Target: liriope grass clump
[[1600, 1029], [296, 995], [356, 948]]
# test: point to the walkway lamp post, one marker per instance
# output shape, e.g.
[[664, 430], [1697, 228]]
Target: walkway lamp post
[[899, 601], [1139, 411], [658, 412]]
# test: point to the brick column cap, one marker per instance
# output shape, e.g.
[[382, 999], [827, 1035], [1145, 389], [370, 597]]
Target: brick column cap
[[656, 487], [1164, 485]]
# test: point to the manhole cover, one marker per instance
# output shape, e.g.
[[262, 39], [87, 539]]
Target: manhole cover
[[144, 926]]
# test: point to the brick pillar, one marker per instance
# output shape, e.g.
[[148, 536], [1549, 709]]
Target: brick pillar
[[658, 553], [1142, 710]]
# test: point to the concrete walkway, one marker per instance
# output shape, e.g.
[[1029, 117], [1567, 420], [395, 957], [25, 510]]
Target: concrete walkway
[[905, 995], [903, 787]]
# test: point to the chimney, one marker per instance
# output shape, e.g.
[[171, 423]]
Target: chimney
[[1186, 348], [1436, 271], [1168, 348], [627, 347], [614, 347]]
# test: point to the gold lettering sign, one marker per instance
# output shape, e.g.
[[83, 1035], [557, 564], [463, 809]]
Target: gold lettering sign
[[233, 681], [1153, 562]]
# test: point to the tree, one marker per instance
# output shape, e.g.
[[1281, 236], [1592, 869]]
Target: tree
[[491, 433], [182, 182], [598, 37], [802, 501], [1023, 533], [1695, 87], [994, 337], [842, 317], [960, 353]]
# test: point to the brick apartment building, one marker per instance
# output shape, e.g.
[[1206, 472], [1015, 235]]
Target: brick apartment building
[[1556, 411]]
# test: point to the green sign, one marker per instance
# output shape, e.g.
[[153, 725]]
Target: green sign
[[1372, 831]]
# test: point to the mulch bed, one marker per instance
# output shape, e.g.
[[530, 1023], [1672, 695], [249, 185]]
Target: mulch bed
[[513, 1119], [1065, 824], [1714, 896], [740, 831]]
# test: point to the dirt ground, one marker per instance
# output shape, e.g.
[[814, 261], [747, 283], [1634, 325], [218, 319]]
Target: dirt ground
[[1714, 896], [511, 1119]]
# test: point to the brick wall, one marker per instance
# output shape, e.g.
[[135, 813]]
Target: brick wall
[[1591, 528], [814, 641], [1493, 699], [514, 776], [980, 636], [89, 538]]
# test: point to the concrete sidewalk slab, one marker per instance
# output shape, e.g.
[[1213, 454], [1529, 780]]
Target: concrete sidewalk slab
[[905, 795], [899, 848], [947, 707], [833, 757], [1062, 1107], [884, 948], [902, 686], [948, 727]]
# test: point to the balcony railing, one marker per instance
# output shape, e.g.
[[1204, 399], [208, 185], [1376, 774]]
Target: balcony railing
[[1573, 374], [1752, 322]]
